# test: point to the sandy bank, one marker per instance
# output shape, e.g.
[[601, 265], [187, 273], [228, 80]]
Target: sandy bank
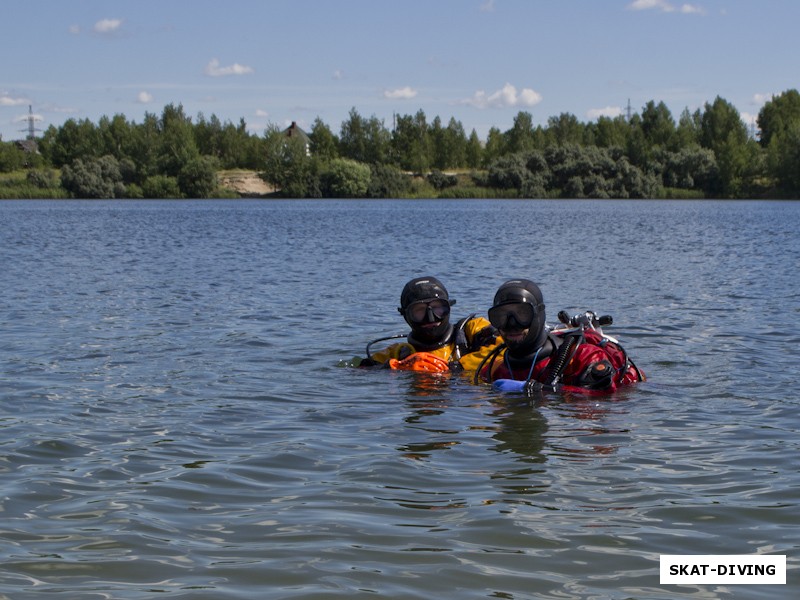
[[246, 183]]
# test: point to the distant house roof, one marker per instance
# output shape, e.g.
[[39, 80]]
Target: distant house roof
[[29, 145], [294, 131]]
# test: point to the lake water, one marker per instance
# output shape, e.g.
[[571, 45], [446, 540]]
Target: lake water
[[177, 421]]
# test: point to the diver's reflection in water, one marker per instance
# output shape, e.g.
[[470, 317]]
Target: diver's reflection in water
[[429, 395], [516, 425], [520, 428], [586, 427], [522, 433]]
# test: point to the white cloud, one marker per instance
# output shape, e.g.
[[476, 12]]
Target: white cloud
[[648, 4], [487, 6], [608, 111], [144, 97], [6, 100], [261, 113], [759, 99], [404, 93], [338, 74], [214, 70], [65, 110], [107, 25], [666, 6], [506, 97], [75, 29], [748, 118]]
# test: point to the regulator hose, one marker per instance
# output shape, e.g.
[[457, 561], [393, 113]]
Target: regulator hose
[[492, 355], [383, 339], [564, 354]]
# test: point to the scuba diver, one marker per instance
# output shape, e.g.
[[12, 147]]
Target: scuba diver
[[434, 344], [534, 357]]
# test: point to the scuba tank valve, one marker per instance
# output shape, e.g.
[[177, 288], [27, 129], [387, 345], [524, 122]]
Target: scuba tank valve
[[587, 319]]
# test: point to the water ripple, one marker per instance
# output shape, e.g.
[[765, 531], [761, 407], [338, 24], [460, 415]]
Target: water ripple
[[175, 419]]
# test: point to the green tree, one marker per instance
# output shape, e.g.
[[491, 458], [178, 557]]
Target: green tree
[[198, 177], [658, 125], [707, 150], [594, 172], [411, 143], [11, 157], [495, 146], [448, 144], [691, 168], [254, 152], [75, 139], [161, 186], [723, 131], [207, 135], [364, 140], [379, 141], [440, 180], [42, 179], [632, 182], [117, 136], [93, 178], [234, 143], [346, 178], [473, 152], [778, 115], [637, 149], [288, 167], [353, 137], [509, 171], [563, 164], [783, 159], [387, 181], [455, 142], [565, 129], [228, 143], [609, 133], [687, 133], [324, 144], [146, 146], [521, 138], [46, 144], [438, 146], [177, 146]]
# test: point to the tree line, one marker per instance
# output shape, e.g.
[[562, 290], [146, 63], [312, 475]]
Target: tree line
[[709, 153]]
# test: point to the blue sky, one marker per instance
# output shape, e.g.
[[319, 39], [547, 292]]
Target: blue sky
[[480, 61]]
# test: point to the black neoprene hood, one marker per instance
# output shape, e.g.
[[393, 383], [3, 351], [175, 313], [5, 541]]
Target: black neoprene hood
[[519, 290], [524, 290], [426, 289], [422, 289]]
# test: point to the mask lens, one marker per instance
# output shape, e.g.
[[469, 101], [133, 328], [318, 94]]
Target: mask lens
[[418, 311], [440, 309], [522, 313]]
